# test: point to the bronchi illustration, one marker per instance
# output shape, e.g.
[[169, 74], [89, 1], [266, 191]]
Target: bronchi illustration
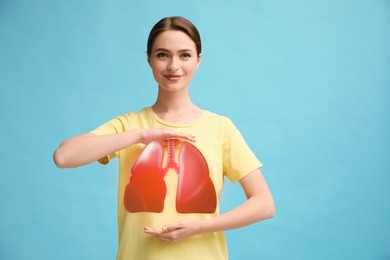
[[146, 190]]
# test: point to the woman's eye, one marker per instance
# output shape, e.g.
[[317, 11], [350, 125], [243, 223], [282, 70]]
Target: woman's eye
[[186, 55], [162, 55]]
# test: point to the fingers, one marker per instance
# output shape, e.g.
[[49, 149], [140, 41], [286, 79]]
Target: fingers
[[171, 227], [171, 134], [164, 229], [150, 135], [172, 232], [149, 230], [163, 235], [175, 231]]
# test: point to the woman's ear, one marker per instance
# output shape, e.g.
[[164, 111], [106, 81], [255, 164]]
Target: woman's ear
[[148, 58], [199, 59]]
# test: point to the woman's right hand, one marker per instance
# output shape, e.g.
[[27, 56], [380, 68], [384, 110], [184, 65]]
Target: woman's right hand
[[161, 134], [84, 149]]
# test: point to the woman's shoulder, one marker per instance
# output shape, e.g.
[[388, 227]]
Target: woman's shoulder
[[145, 111], [217, 120], [217, 117], [132, 117]]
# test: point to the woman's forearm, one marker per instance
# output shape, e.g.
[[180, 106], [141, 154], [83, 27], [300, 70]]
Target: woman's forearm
[[82, 150], [251, 211], [258, 206]]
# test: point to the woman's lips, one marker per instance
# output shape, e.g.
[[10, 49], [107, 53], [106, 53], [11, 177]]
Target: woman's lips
[[172, 77]]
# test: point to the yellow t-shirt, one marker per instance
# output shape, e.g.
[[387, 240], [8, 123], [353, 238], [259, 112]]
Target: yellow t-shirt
[[223, 152]]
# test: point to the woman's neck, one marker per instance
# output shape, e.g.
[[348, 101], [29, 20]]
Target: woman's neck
[[176, 107]]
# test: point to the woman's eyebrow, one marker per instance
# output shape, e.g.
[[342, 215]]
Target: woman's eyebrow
[[161, 49], [185, 50], [166, 50]]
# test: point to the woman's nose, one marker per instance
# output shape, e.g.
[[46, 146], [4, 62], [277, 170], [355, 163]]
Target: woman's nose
[[173, 64]]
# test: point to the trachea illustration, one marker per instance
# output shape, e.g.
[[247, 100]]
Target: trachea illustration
[[146, 190]]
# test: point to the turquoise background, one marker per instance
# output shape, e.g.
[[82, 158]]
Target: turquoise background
[[306, 82]]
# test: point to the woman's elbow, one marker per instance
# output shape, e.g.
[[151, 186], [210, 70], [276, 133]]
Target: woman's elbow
[[63, 157], [269, 209], [59, 159]]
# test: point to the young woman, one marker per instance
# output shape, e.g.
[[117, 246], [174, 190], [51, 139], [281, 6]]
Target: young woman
[[173, 157]]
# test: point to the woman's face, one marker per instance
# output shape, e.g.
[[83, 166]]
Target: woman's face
[[173, 60]]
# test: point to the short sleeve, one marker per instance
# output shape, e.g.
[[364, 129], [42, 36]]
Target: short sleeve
[[238, 158], [113, 126]]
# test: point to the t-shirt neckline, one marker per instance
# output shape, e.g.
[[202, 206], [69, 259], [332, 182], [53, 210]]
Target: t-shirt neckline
[[157, 118]]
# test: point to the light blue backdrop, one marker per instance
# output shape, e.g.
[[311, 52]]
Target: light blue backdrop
[[307, 83]]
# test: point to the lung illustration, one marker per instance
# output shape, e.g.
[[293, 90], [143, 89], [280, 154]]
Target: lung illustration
[[146, 190], [195, 191]]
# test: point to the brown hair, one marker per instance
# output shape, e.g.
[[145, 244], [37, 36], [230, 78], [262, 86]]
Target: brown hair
[[177, 23]]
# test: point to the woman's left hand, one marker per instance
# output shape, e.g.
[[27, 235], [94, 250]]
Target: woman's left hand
[[258, 206], [175, 231]]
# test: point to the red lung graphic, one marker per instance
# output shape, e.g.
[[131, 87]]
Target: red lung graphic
[[195, 191], [146, 190]]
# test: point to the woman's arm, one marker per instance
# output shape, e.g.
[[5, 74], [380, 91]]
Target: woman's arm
[[258, 206], [87, 148]]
